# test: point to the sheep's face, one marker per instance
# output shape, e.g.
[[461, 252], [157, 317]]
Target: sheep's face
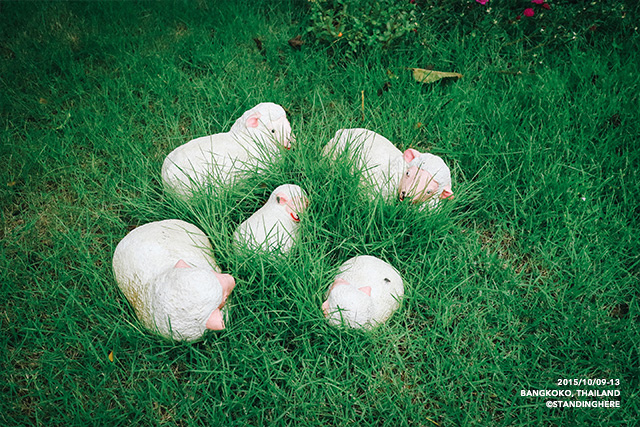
[[296, 206], [280, 130], [269, 121], [348, 303], [189, 299], [426, 176], [417, 185], [292, 199]]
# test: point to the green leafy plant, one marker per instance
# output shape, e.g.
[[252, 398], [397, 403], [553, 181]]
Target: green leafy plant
[[356, 24]]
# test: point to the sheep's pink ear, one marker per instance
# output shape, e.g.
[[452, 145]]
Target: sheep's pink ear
[[215, 321], [252, 121], [181, 264], [366, 290], [410, 154], [446, 193], [281, 198]]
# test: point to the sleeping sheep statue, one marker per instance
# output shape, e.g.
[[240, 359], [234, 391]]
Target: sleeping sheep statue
[[410, 175], [274, 227], [166, 272], [366, 291], [223, 156]]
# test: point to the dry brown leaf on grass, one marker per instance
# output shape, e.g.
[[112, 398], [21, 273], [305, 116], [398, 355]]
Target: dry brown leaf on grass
[[429, 76], [296, 42]]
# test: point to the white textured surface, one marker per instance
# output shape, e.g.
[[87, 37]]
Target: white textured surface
[[349, 303], [272, 227], [382, 162], [221, 157], [144, 267]]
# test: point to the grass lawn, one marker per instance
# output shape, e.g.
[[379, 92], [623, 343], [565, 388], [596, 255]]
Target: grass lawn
[[529, 276]]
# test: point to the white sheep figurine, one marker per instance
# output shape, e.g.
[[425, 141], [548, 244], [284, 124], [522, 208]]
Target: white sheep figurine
[[167, 274], [221, 157], [275, 225], [365, 293], [389, 171]]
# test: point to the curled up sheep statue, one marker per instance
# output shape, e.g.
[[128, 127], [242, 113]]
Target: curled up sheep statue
[[419, 177], [167, 274], [222, 157], [365, 293], [274, 227]]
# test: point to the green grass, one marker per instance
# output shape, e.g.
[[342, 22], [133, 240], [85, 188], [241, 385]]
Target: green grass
[[530, 275]]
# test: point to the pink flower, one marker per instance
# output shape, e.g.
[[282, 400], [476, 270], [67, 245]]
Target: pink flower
[[482, 1], [546, 6], [537, 1], [528, 12]]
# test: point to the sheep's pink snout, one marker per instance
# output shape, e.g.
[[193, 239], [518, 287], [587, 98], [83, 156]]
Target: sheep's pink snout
[[446, 194], [215, 321]]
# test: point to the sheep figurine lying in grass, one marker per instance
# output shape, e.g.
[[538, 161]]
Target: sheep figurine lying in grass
[[173, 284], [275, 225], [390, 172], [220, 158], [365, 292]]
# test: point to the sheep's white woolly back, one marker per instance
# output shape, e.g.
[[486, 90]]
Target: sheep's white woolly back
[[379, 158]]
